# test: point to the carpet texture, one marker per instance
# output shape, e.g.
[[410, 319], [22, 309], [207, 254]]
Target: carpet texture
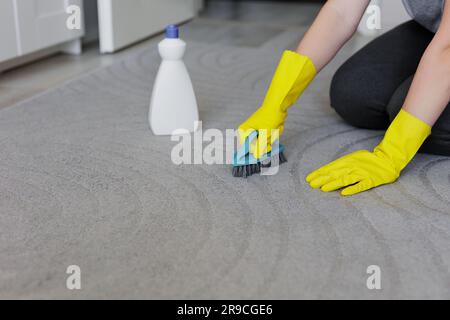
[[84, 182]]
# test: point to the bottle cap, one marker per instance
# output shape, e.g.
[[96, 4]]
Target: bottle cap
[[172, 32]]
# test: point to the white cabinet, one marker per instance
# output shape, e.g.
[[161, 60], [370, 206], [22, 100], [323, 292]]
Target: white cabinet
[[27, 27], [124, 22], [8, 36], [42, 23]]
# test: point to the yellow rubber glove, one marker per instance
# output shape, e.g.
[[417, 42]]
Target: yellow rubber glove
[[364, 170], [293, 75]]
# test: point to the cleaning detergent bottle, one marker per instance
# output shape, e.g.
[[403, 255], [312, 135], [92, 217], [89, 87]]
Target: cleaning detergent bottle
[[173, 104]]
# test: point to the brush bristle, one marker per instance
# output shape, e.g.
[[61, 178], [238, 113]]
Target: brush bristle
[[251, 169], [283, 158]]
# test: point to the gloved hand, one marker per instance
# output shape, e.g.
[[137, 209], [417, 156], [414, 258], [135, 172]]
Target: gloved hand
[[293, 75], [364, 170]]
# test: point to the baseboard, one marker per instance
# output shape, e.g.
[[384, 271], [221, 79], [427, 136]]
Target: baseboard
[[15, 62]]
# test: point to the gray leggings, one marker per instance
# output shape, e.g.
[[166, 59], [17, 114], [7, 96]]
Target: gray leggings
[[370, 88]]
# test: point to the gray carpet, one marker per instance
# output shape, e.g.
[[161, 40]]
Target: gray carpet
[[84, 182]]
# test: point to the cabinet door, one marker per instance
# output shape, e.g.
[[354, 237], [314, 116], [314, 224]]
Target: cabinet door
[[42, 23], [124, 22], [8, 36]]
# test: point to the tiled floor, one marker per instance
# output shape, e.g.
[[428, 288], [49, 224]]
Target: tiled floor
[[242, 24]]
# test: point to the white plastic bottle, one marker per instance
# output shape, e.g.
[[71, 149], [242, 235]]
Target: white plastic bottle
[[173, 104]]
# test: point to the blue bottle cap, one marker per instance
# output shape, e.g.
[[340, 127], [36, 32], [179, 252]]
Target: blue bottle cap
[[172, 32]]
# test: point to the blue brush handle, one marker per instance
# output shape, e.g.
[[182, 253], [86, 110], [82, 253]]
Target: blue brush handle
[[243, 157], [245, 148]]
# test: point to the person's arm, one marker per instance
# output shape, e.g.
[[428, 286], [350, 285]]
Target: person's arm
[[333, 27], [336, 23], [430, 91], [427, 98]]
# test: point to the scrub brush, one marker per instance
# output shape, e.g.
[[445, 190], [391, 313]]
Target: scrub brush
[[246, 165]]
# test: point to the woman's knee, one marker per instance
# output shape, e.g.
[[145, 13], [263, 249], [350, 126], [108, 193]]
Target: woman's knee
[[353, 99]]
